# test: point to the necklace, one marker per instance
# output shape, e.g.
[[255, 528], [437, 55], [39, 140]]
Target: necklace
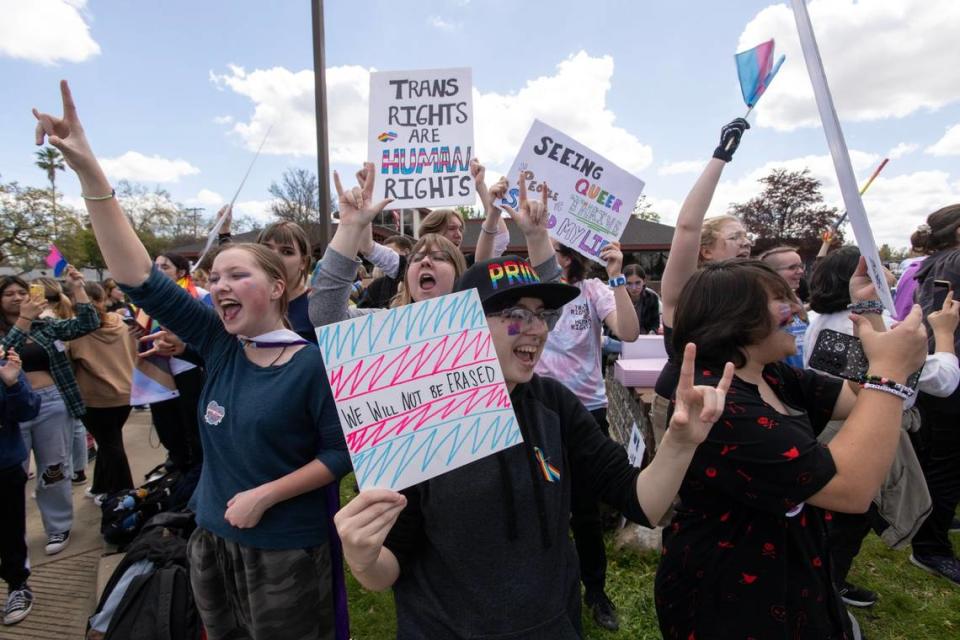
[[279, 355]]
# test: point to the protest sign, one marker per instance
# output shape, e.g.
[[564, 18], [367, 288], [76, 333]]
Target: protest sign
[[418, 389], [590, 198], [421, 137], [840, 155]]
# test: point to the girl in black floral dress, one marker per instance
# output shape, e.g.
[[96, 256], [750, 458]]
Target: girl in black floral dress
[[745, 555]]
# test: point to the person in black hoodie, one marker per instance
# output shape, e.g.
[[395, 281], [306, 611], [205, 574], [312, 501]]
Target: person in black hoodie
[[483, 551], [938, 440]]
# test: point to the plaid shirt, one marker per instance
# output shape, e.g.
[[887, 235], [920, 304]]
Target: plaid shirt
[[48, 333]]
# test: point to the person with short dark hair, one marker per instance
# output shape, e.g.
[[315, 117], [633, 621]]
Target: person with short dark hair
[[645, 300], [745, 552]]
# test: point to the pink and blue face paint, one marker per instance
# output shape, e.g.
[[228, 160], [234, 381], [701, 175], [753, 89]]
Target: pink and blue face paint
[[784, 314]]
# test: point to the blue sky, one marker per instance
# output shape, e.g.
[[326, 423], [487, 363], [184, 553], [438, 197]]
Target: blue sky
[[178, 94]]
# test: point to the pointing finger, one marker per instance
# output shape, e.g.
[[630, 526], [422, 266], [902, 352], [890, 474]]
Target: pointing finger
[[544, 194], [686, 369], [523, 187], [727, 378], [336, 183], [69, 107]]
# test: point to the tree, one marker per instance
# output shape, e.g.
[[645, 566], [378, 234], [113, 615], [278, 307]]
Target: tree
[[50, 160], [644, 210], [25, 225], [889, 254], [297, 197], [790, 210], [152, 212]]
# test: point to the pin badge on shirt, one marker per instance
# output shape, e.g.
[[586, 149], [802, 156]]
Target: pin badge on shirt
[[214, 414]]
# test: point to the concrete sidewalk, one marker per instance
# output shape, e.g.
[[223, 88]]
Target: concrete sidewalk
[[65, 585]]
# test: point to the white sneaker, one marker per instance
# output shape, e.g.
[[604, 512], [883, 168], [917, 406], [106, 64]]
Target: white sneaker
[[19, 604], [57, 542]]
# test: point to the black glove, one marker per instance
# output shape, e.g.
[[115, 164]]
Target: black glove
[[730, 139]]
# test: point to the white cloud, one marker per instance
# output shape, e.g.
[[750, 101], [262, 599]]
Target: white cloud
[[206, 198], [902, 149], [666, 207], [46, 31], [948, 145], [133, 165], [678, 168], [895, 205], [285, 99], [259, 210], [440, 24], [884, 59], [223, 119]]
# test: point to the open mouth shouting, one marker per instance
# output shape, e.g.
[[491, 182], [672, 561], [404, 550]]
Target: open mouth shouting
[[427, 281], [527, 354], [229, 309]]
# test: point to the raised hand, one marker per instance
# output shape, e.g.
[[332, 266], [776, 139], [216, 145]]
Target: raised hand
[[730, 139], [861, 286], [487, 196], [10, 369], [613, 256], [74, 278], [31, 308], [363, 525], [66, 133], [945, 319], [226, 214], [531, 216], [356, 204], [164, 344], [697, 407], [896, 353]]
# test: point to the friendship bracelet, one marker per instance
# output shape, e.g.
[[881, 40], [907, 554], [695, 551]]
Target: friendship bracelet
[[618, 281], [888, 389], [113, 193], [865, 306], [879, 383], [485, 230]]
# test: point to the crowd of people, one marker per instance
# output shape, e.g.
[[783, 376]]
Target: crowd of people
[[767, 476]]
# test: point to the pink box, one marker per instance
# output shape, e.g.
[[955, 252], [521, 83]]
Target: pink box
[[642, 372], [644, 347]]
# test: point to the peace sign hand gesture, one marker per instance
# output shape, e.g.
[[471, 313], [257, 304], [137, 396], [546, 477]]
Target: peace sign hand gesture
[[697, 407], [66, 133], [356, 204], [530, 216]]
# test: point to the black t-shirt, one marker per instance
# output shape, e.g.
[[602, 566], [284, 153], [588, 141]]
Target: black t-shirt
[[669, 376], [744, 556]]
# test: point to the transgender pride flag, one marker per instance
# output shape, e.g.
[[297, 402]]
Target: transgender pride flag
[[756, 70]]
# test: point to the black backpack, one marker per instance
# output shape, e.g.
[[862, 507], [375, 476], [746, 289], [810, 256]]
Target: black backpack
[[123, 514], [157, 605]]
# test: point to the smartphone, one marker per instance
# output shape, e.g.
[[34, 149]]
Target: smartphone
[[841, 355], [37, 291], [940, 290]]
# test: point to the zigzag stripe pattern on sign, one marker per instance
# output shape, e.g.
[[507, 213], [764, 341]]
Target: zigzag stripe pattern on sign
[[435, 446], [462, 404], [339, 342], [411, 363]]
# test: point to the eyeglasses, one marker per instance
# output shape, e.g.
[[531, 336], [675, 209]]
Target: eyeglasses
[[791, 267], [548, 317], [435, 256], [740, 237]]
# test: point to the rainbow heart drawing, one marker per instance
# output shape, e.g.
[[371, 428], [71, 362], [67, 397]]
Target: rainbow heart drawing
[[387, 136]]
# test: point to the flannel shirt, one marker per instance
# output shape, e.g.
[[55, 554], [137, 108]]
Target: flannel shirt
[[47, 332]]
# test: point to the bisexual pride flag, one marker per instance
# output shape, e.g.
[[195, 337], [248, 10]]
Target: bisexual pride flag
[[56, 261], [756, 70]]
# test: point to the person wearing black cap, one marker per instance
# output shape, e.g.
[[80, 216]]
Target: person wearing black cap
[[483, 551]]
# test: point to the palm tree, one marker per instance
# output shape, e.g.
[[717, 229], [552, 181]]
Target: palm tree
[[50, 160]]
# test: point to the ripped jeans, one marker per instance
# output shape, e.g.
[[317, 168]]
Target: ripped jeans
[[50, 435]]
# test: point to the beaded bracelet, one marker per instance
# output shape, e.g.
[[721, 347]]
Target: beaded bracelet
[[878, 383], [865, 306]]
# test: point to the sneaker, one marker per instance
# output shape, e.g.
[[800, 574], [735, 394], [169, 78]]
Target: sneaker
[[99, 498], [945, 566], [857, 596], [91, 454], [80, 477], [604, 613], [954, 525], [19, 604], [57, 542]]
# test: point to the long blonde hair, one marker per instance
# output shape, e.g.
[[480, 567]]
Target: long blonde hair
[[435, 242], [710, 231]]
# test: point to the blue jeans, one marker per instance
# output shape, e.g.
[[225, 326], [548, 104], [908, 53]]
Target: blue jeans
[[50, 435]]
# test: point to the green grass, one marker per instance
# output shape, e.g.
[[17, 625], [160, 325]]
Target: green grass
[[913, 605]]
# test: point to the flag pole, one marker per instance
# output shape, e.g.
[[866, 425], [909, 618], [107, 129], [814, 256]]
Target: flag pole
[[863, 190], [320, 105]]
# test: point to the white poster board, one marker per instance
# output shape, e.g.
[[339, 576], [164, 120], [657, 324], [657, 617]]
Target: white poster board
[[636, 447], [421, 137], [841, 157], [590, 198], [418, 389]]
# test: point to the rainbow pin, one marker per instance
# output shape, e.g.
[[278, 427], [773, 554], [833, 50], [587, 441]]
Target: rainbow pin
[[387, 136], [550, 472]]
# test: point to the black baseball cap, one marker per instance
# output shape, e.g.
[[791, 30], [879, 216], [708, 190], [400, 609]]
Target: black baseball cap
[[504, 280]]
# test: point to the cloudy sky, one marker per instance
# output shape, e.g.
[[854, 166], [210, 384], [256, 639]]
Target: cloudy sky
[[179, 93]]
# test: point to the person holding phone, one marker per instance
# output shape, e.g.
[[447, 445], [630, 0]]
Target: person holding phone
[[938, 441]]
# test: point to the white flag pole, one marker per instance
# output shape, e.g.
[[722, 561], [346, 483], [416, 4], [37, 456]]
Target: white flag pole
[[841, 157]]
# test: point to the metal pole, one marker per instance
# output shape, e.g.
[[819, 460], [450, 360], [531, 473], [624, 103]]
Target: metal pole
[[320, 102]]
